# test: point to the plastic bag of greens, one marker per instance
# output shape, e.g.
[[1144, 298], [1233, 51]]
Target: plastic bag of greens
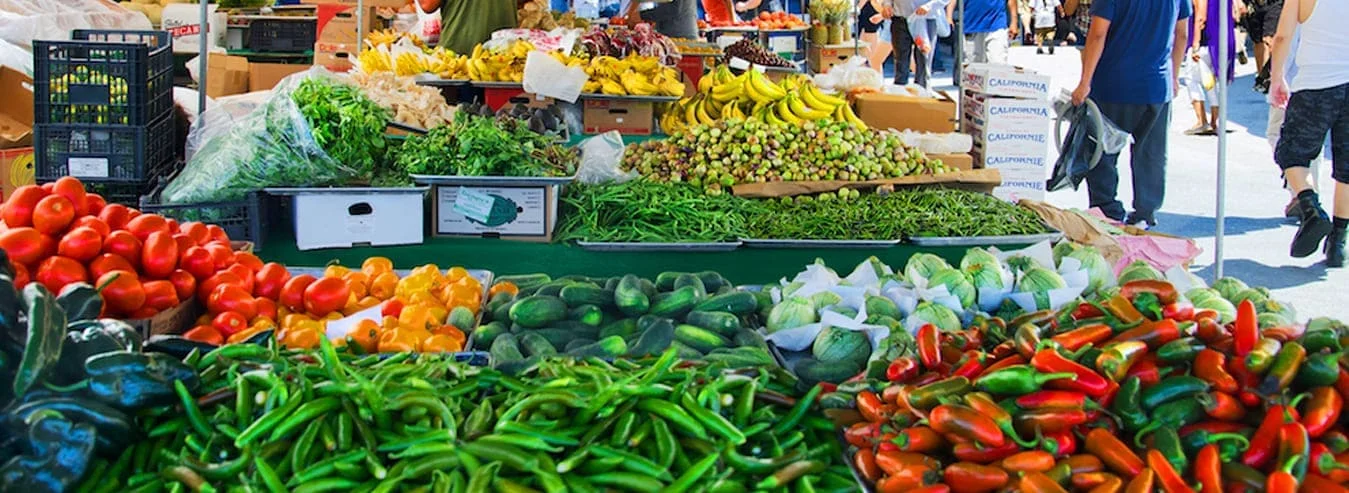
[[313, 130], [600, 158]]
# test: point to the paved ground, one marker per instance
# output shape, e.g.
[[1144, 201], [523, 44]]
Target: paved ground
[[1256, 243]]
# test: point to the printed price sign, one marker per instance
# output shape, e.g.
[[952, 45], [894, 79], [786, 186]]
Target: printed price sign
[[473, 204]]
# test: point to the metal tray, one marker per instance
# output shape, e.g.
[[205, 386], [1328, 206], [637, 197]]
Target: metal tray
[[488, 181], [763, 243], [973, 241], [625, 246], [734, 29], [498, 85], [792, 30], [441, 82], [343, 190], [653, 99]]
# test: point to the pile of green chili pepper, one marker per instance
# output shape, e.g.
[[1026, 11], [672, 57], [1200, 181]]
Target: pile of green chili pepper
[[319, 421], [646, 211], [931, 212]]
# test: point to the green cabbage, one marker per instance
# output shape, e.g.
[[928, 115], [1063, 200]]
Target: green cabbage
[[790, 314], [1197, 294], [957, 283], [1064, 249], [881, 306], [1137, 271], [923, 265], [1279, 308], [1228, 287], [841, 346], [984, 269], [1040, 281], [846, 311], [1257, 296], [1226, 311], [1270, 320], [936, 314], [1098, 270], [824, 299]]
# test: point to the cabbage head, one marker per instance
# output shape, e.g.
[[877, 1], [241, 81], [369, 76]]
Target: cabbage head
[[1098, 270], [881, 306], [1228, 287], [1064, 248], [936, 314], [1197, 294], [1226, 311], [1258, 296], [984, 269], [1271, 320], [923, 265], [957, 283], [1040, 281], [790, 314], [824, 299], [1326, 323], [1139, 270]]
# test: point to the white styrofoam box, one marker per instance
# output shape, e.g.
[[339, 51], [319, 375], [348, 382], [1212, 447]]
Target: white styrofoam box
[[1021, 184], [1000, 114], [1005, 80], [347, 217], [1012, 143], [1005, 162], [183, 22]]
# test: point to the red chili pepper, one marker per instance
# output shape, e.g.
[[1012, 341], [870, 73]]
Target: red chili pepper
[[972, 365], [1110, 392], [1222, 406], [1114, 453], [1265, 442], [1059, 443], [1208, 329], [1336, 440], [919, 439], [1165, 291], [983, 403], [1152, 333], [1027, 339], [1321, 484], [970, 452], [893, 461], [929, 342], [1085, 481], [1088, 334], [1146, 370], [1322, 462], [1167, 478], [1055, 399], [1013, 360], [1281, 481], [1322, 411], [1208, 468], [1037, 482], [1294, 444], [1245, 330], [966, 423], [1003, 350], [1210, 366], [927, 378], [1086, 310], [1213, 427], [1088, 381], [1051, 420], [935, 488], [1179, 311], [901, 370], [1116, 358], [969, 477], [873, 408], [865, 460], [861, 435]]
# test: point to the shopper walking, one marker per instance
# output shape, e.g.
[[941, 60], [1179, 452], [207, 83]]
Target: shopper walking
[[1207, 32], [466, 23], [1045, 19], [1316, 101], [902, 38], [1134, 50], [988, 26], [869, 22], [673, 18]]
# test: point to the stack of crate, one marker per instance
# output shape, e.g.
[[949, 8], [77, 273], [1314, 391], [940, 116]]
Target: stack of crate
[[103, 110]]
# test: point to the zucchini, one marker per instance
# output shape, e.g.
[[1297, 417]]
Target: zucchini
[[609, 347], [585, 294], [525, 281], [712, 280], [575, 343], [505, 348], [654, 340], [623, 328], [538, 310], [686, 352], [688, 280], [665, 281], [737, 302], [630, 298], [698, 338], [720, 322], [534, 344], [587, 314], [488, 332], [675, 304]]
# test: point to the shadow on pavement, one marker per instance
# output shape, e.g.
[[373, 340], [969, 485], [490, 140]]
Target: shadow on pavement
[[1272, 277], [1203, 226], [1247, 107]]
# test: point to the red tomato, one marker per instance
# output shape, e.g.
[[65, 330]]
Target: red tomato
[[143, 313], [53, 214], [222, 254], [248, 260], [217, 233], [269, 280], [228, 323], [184, 241], [123, 244], [56, 272], [292, 293], [183, 283], [48, 187], [245, 275], [325, 296], [24, 245], [160, 295], [116, 215], [392, 308], [160, 255], [144, 224], [227, 298], [71, 188], [197, 261], [80, 244], [20, 276], [172, 224], [195, 230], [18, 210], [49, 245], [206, 334], [94, 204], [204, 288], [266, 309], [92, 222], [106, 263]]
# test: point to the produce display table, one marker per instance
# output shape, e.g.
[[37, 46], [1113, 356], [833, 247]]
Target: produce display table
[[746, 266]]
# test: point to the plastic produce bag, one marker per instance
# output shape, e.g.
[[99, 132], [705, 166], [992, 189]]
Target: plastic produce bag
[[270, 146], [852, 74], [1090, 136], [600, 156]]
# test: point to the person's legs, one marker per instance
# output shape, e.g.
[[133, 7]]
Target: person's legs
[[1148, 161], [995, 46], [1339, 157], [1309, 115], [1201, 117], [902, 43], [1103, 180], [873, 46], [922, 60], [977, 46]]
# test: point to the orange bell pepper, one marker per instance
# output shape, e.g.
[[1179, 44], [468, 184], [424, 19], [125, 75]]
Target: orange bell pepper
[[374, 266], [384, 285], [336, 271], [441, 344], [504, 287], [204, 333], [301, 338], [416, 316], [397, 341]]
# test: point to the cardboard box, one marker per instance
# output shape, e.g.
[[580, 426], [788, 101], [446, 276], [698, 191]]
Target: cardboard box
[[1005, 162], [981, 111], [16, 109], [264, 76], [335, 57], [226, 75], [824, 57], [338, 23], [1017, 185], [183, 22], [1020, 143], [956, 161], [627, 117], [349, 217], [533, 218], [175, 320], [1005, 80], [901, 112], [16, 170]]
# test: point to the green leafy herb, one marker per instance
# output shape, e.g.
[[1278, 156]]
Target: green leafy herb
[[484, 146]]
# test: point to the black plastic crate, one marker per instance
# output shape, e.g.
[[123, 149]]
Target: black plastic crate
[[128, 194], [242, 219], [103, 77], [134, 154], [282, 35]]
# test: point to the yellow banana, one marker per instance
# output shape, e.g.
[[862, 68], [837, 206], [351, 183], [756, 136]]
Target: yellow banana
[[754, 95], [810, 96], [799, 109], [771, 117], [786, 114], [705, 83], [727, 91], [844, 113], [828, 100], [690, 110], [612, 88], [703, 117], [766, 87]]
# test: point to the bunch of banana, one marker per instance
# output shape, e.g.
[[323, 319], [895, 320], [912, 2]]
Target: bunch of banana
[[409, 63], [448, 65], [632, 76], [375, 60], [751, 95], [387, 37], [507, 64]]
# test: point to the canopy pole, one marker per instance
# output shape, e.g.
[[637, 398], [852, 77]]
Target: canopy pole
[[1220, 215], [202, 55]]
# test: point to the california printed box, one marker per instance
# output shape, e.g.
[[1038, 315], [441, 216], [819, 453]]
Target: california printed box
[[348, 217], [1021, 184], [1011, 163], [1021, 143], [1005, 80], [984, 112]]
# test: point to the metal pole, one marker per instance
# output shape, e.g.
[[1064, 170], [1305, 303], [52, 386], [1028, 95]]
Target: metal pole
[[205, 14], [959, 45], [1224, 24]]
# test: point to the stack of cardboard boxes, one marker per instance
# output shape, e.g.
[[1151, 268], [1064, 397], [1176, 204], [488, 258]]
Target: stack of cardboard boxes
[[1008, 113], [16, 131], [341, 27]]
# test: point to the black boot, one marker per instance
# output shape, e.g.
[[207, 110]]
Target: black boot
[[1335, 248], [1314, 227]]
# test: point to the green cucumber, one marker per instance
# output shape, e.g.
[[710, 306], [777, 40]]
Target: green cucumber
[[737, 302], [502, 312], [712, 281], [534, 344], [585, 294], [609, 347], [557, 337], [675, 304], [812, 371], [720, 322], [623, 327], [575, 343], [525, 281], [505, 349], [686, 352], [488, 332], [698, 338], [630, 298], [687, 280], [538, 311], [749, 338], [587, 314], [665, 281], [654, 340]]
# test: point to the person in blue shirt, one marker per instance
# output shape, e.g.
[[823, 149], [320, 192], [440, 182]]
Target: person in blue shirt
[[986, 28], [1134, 49]]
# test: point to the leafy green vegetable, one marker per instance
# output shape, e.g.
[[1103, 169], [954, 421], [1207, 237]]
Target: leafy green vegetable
[[484, 146]]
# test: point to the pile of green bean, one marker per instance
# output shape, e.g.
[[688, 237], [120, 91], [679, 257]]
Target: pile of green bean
[[650, 212], [319, 421], [903, 213]]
